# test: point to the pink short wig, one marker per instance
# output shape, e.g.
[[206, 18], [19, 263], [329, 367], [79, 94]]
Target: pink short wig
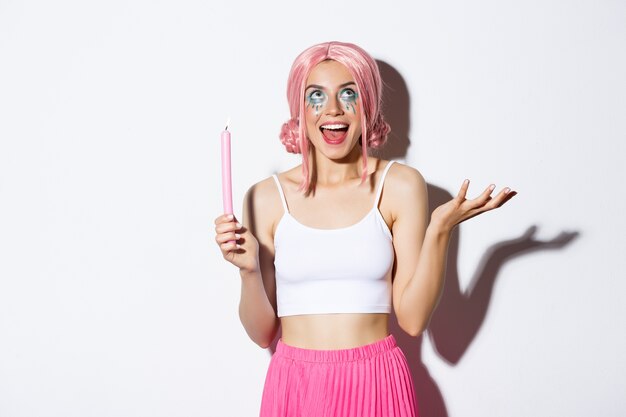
[[365, 72]]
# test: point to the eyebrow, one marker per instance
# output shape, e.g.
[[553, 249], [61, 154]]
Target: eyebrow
[[322, 88]]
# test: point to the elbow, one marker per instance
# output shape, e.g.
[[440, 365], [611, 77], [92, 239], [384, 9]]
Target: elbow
[[261, 333], [416, 328], [267, 340], [263, 345], [263, 342], [415, 332]]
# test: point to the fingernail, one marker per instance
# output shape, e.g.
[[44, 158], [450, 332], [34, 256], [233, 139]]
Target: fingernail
[[238, 225], [507, 190], [230, 217], [491, 187], [238, 246], [237, 236]]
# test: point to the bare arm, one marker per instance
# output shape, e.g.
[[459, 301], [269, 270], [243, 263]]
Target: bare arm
[[417, 291], [257, 307], [409, 202], [255, 259]]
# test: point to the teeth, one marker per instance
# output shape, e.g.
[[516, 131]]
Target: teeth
[[335, 126]]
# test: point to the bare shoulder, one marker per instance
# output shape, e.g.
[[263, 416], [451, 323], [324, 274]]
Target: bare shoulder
[[262, 192], [262, 207], [405, 179], [406, 192]]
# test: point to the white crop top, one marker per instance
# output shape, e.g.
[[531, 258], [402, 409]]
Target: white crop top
[[345, 270]]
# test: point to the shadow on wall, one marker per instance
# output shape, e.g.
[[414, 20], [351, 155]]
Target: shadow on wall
[[459, 314], [396, 108]]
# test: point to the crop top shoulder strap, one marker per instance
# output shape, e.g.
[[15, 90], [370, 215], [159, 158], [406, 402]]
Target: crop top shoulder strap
[[282, 194], [381, 182], [376, 201]]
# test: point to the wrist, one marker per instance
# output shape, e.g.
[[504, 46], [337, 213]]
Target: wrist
[[249, 272], [439, 228]]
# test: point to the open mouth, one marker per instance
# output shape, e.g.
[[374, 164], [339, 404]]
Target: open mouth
[[334, 133]]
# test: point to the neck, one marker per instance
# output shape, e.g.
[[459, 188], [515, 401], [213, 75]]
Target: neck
[[337, 171]]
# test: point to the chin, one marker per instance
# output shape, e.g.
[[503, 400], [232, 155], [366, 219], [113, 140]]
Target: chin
[[342, 152]]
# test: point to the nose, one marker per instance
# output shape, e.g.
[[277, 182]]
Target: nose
[[334, 106]]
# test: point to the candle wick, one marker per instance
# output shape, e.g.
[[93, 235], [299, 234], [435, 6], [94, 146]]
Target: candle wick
[[227, 123]]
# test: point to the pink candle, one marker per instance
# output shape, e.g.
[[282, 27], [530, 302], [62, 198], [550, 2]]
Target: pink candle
[[227, 191]]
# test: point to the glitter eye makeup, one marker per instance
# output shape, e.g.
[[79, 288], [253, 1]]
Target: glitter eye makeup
[[316, 99], [348, 97]]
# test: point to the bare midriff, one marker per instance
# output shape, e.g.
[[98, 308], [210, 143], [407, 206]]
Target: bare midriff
[[334, 331]]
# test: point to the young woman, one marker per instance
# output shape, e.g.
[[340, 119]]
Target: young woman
[[326, 249]]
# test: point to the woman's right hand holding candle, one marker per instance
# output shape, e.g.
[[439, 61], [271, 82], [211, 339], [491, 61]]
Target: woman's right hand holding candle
[[237, 244]]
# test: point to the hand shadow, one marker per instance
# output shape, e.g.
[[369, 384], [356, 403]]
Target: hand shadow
[[459, 314]]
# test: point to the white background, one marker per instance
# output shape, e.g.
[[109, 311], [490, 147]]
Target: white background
[[114, 299]]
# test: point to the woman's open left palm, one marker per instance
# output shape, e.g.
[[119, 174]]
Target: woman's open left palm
[[459, 209]]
